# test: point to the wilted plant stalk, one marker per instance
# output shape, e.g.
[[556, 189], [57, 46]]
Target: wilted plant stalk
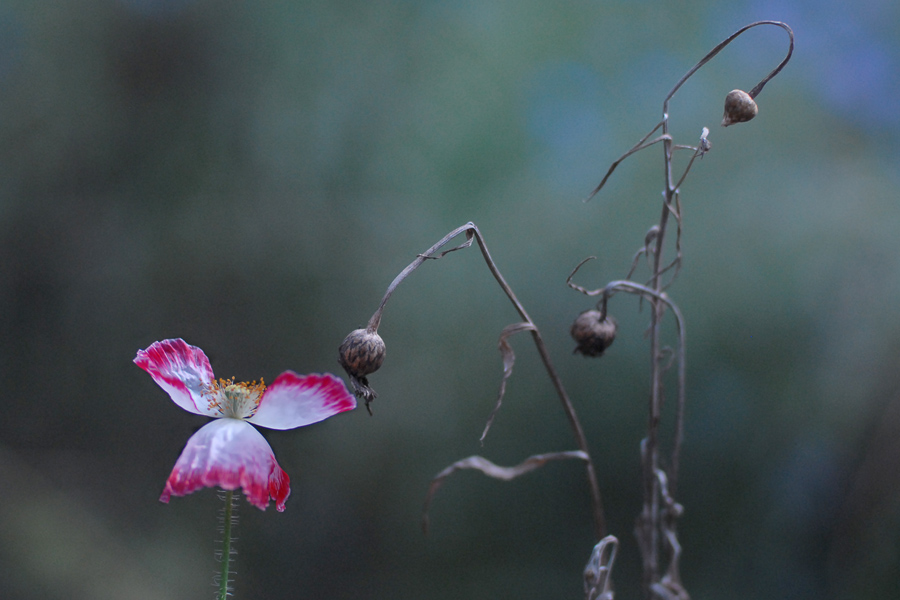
[[655, 528], [362, 353]]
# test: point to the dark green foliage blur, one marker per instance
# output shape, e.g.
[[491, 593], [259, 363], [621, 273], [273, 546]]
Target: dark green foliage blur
[[250, 176]]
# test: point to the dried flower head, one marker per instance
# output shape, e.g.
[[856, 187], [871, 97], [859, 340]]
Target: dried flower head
[[362, 353], [739, 107], [593, 332]]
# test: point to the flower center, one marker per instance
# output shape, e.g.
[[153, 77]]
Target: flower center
[[235, 400]]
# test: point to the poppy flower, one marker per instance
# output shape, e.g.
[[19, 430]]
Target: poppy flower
[[229, 452]]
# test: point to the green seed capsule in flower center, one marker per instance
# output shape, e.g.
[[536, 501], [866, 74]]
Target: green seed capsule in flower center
[[235, 400]]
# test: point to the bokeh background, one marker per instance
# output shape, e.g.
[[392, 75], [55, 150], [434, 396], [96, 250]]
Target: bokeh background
[[250, 176]]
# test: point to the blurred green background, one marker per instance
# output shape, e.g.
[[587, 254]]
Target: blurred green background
[[250, 176]]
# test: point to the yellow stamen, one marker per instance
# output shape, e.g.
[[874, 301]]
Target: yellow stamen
[[237, 400]]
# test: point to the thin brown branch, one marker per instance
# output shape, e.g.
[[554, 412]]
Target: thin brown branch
[[637, 148]]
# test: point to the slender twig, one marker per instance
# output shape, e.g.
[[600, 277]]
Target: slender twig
[[637, 148]]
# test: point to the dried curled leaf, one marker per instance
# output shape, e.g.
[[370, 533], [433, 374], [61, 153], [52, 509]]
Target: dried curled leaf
[[598, 571], [482, 464], [509, 359]]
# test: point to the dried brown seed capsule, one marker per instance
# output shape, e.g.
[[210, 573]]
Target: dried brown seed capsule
[[361, 353], [739, 107], [592, 334]]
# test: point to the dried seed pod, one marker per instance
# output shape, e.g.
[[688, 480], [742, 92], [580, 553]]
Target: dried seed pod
[[592, 334], [739, 107], [361, 353]]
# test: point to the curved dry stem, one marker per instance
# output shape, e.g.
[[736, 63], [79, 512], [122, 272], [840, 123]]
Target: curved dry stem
[[712, 53], [568, 407], [666, 137], [375, 321], [472, 232]]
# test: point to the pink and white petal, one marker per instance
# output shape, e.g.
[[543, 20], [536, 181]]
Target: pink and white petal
[[181, 370], [295, 400], [229, 454]]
